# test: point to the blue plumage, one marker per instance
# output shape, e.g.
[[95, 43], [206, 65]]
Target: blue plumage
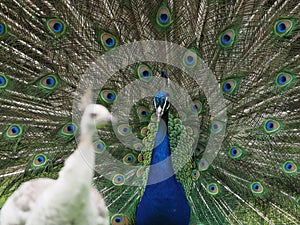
[[164, 200]]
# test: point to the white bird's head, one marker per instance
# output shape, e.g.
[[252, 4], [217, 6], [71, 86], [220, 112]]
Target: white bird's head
[[96, 116]]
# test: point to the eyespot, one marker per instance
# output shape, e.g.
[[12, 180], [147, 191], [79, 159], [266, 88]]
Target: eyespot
[[3, 81], [284, 79], [190, 58], [235, 152], [289, 167], [217, 127], [14, 131], [143, 132], [138, 146], [118, 179], [119, 219], [283, 27], [139, 172], [144, 72], [39, 160], [69, 130], [140, 157], [164, 74], [164, 17], [100, 146], [129, 159], [199, 150], [257, 188], [229, 86], [108, 96], [124, 129], [154, 117], [298, 201], [56, 27], [48, 82], [143, 112], [227, 38], [212, 189], [271, 126], [195, 174], [202, 165], [3, 30], [197, 106], [107, 40]]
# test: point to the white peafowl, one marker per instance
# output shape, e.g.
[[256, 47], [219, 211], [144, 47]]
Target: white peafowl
[[70, 199]]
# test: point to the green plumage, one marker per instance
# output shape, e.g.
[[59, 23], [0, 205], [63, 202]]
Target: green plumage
[[253, 51]]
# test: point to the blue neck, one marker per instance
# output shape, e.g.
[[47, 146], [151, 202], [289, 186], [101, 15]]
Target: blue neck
[[161, 164], [164, 200]]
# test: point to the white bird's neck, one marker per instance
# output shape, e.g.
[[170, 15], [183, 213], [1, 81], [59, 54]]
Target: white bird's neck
[[79, 167]]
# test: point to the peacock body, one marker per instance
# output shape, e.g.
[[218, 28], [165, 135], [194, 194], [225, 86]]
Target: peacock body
[[206, 94]]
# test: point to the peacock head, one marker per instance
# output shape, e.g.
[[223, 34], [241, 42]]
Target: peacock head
[[161, 103], [96, 116]]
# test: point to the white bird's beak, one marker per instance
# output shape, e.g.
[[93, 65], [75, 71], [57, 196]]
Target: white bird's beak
[[113, 119]]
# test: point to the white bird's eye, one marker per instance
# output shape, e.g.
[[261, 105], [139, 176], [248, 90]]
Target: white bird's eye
[[93, 115]]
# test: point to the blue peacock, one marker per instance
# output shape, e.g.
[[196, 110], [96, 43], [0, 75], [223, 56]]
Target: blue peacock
[[172, 157]]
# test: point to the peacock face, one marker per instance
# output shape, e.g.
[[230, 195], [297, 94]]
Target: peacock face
[[161, 103]]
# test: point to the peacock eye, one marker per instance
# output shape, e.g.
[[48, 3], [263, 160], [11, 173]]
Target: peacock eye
[[138, 146], [69, 130], [100, 146], [14, 131], [3, 81], [190, 58], [229, 86], [48, 82], [124, 129], [298, 202], [164, 17], [283, 27], [197, 106], [257, 188], [199, 150], [39, 160], [284, 79], [235, 152], [143, 112], [56, 27], [195, 174], [203, 165], [212, 189], [144, 72], [227, 38], [217, 127], [107, 40], [129, 159], [143, 132], [140, 157], [289, 167], [139, 172], [3, 30], [118, 179], [271, 126], [108, 96], [119, 219]]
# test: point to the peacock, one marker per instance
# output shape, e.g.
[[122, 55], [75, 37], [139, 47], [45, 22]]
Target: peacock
[[205, 93]]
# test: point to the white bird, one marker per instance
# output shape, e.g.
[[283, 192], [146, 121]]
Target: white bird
[[69, 200]]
